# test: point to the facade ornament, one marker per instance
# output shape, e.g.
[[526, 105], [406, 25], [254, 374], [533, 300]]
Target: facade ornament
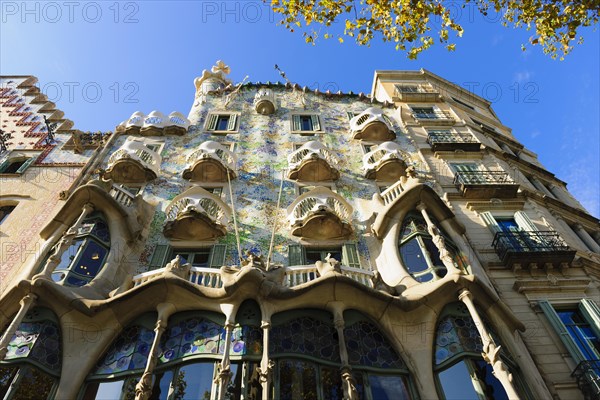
[[211, 80], [4, 138], [349, 384], [491, 351], [229, 98], [300, 94], [224, 372], [175, 267], [329, 266], [438, 240], [253, 259], [50, 127], [379, 284]]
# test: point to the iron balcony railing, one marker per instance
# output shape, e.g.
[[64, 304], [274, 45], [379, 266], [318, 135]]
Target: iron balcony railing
[[450, 137], [482, 178], [435, 114], [528, 242], [587, 375]]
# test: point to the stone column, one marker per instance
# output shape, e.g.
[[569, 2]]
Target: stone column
[[26, 303], [540, 186], [439, 241], [491, 351], [143, 389], [266, 365], [596, 236], [586, 238], [348, 383], [224, 375], [64, 244]]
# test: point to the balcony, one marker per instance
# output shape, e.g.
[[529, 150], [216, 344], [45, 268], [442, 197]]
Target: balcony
[[371, 124], [320, 214], [587, 375], [385, 162], [432, 117], [485, 184], [531, 247], [196, 214], [451, 141], [264, 101], [133, 163], [416, 93], [313, 162], [154, 124], [211, 162]]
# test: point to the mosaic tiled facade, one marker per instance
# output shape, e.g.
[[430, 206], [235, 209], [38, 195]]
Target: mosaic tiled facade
[[283, 243]]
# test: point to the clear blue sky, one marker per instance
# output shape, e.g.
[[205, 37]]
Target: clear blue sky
[[101, 61]]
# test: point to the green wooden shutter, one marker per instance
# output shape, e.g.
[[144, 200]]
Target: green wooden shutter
[[350, 255], [217, 256], [296, 126], [231, 125], [211, 124], [315, 122], [562, 332], [524, 222], [4, 165], [158, 260], [591, 312], [26, 165], [350, 115], [490, 221], [296, 255]]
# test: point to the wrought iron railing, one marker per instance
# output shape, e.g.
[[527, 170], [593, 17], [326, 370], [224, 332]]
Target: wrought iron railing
[[528, 242], [587, 375], [450, 137], [435, 114], [482, 178]]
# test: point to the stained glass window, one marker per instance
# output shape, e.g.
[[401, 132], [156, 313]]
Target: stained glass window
[[128, 353], [190, 337], [367, 346], [305, 336]]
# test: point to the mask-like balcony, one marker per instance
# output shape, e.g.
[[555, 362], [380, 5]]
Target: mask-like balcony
[[485, 184], [532, 247], [384, 163], [154, 124], [264, 101], [133, 163], [415, 92], [313, 162], [211, 162], [196, 214], [451, 141], [371, 124], [320, 214]]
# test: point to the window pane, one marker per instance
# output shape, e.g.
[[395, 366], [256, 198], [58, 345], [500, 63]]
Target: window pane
[[105, 391], [91, 260], [161, 385], [388, 388], [6, 376], [457, 383], [200, 259], [306, 123], [34, 384], [66, 259], [331, 381], [492, 387], [4, 212], [297, 380], [194, 381], [222, 122], [413, 257]]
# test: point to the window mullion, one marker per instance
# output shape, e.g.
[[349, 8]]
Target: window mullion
[[477, 384], [427, 257]]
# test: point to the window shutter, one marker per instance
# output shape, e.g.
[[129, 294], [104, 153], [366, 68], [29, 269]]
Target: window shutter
[[490, 221], [315, 122], [591, 312], [4, 165], [296, 126], [350, 255], [159, 256], [296, 255], [232, 122], [560, 328], [217, 256], [350, 115], [26, 165], [211, 124], [524, 222]]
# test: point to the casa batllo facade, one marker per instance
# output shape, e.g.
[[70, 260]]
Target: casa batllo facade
[[282, 243]]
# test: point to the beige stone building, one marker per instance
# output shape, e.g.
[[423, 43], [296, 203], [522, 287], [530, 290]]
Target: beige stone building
[[283, 243]]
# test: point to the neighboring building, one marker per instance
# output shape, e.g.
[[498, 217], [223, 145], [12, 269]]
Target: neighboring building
[[290, 244]]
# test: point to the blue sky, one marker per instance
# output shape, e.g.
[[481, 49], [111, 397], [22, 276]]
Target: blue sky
[[101, 61]]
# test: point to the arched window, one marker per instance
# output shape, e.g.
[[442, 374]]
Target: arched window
[[378, 370], [31, 368], [419, 254], [86, 256], [305, 346], [461, 371]]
